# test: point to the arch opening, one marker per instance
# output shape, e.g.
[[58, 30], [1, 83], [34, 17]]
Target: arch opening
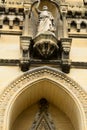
[[6, 21], [47, 83], [49, 117], [54, 93], [73, 26]]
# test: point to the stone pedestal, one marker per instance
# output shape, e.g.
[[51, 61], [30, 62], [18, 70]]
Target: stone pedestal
[[45, 44]]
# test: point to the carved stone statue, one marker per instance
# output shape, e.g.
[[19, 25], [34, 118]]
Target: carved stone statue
[[45, 22], [45, 41]]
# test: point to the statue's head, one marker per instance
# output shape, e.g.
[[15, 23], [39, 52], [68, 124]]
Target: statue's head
[[45, 7]]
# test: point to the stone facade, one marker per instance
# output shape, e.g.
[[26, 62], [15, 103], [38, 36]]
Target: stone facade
[[43, 56]]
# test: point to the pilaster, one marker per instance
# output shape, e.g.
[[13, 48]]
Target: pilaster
[[78, 27], [65, 41], [11, 24], [25, 40]]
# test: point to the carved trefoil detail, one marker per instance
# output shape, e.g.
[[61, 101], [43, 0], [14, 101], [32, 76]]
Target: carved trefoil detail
[[43, 119]]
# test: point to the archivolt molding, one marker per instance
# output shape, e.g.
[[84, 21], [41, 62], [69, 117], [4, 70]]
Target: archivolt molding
[[35, 75]]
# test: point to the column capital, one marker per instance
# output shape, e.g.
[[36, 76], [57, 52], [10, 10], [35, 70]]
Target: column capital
[[63, 9], [27, 7]]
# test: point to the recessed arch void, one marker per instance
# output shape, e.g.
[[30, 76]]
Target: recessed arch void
[[74, 25], [16, 21], [83, 25], [6, 21], [44, 82]]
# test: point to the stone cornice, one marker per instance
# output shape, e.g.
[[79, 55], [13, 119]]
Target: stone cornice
[[33, 62]]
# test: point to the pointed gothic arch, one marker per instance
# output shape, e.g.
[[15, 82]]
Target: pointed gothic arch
[[45, 82]]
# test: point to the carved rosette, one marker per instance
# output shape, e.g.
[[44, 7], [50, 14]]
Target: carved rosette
[[45, 44]]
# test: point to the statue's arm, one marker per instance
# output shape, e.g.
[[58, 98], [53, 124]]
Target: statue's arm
[[37, 10], [37, 2]]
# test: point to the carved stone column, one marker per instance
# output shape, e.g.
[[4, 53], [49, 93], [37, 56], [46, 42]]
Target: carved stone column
[[68, 26], [6, 10], [25, 40], [64, 9], [11, 24], [65, 41], [78, 27], [21, 25], [26, 22]]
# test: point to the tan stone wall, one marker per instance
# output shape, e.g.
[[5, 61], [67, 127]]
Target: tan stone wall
[[7, 75], [80, 76], [79, 49], [75, 1], [9, 47]]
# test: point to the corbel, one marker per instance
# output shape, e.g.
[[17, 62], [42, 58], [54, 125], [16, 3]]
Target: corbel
[[25, 42], [65, 60]]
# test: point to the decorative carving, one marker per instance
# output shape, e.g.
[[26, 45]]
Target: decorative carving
[[11, 21], [43, 118], [66, 62], [25, 52], [45, 44], [66, 45]]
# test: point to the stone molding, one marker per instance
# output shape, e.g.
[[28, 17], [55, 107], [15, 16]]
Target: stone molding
[[56, 63], [35, 75]]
